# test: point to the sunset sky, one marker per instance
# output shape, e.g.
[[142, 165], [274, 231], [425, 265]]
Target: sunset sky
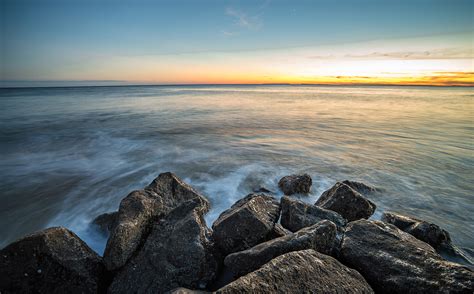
[[427, 42]]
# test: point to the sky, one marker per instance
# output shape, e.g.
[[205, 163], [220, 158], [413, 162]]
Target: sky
[[68, 42]]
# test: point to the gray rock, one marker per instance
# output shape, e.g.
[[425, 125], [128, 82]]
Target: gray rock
[[138, 211], [430, 233], [296, 215], [346, 201], [106, 222], [360, 187], [177, 253], [54, 260], [424, 231], [248, 222], [304, 271], [393, 261], [320, 237], [293, 184]]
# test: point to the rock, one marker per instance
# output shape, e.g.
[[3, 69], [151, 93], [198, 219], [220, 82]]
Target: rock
[[278, 231], [304, 271], [360, 187], [106, 222], [176, 253], [430, 233], [424, 231], [346, 201], [137, 212], [248, 222], [296, 215], [293, 184], [54, 260], [393, 261], [320, 237]]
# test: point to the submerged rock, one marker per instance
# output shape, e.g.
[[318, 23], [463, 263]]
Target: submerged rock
[[346, 201], [296, 215], [177, 253], [304, 271], [138, 211], [54, 260], [320, 237], [106, 222], [393, 261], [248, 222], [294, 184]]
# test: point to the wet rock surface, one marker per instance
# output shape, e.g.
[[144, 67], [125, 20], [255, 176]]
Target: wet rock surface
[[54, 260], [137, 212], [304, 271], [346, 201], [360, 187], [320, 237], [296, 215], [248, 222], [177, 253], [393, 261], [295, 184]]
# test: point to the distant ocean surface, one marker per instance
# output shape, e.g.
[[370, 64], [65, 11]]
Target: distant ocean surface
[[70, 154]]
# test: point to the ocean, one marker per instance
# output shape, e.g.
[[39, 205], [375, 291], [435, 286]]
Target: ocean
[[70, 154]]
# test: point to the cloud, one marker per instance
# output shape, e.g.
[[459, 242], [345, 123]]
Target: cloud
[[244, 20], [444, 53]]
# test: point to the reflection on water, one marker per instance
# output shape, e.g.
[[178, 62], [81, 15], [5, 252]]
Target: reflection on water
[[69, 154]]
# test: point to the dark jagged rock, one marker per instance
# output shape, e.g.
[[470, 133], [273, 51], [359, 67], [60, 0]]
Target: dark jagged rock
[[360, 187], [137, 212], [248, 222], [304, 271], [393, 261], [296, 215], [430, 233], [54, 260], [346, 201], [320, 237], [106, 222], [294, 184], [424, 231], [176, 253]]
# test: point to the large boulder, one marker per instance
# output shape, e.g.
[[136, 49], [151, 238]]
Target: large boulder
[[176, 253], [320, 237], [346, 201], [305, 271], [393, 261], [250, 221], [54, 260], [138, 211], [106, 222], [296, 215], [294, 184]]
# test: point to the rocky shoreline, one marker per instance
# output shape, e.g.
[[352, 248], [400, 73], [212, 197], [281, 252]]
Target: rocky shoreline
[[158, 242]]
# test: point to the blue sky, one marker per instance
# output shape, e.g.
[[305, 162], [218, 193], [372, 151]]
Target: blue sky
[[113, 40]]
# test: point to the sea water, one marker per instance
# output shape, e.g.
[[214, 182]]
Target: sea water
[[70, 154]]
